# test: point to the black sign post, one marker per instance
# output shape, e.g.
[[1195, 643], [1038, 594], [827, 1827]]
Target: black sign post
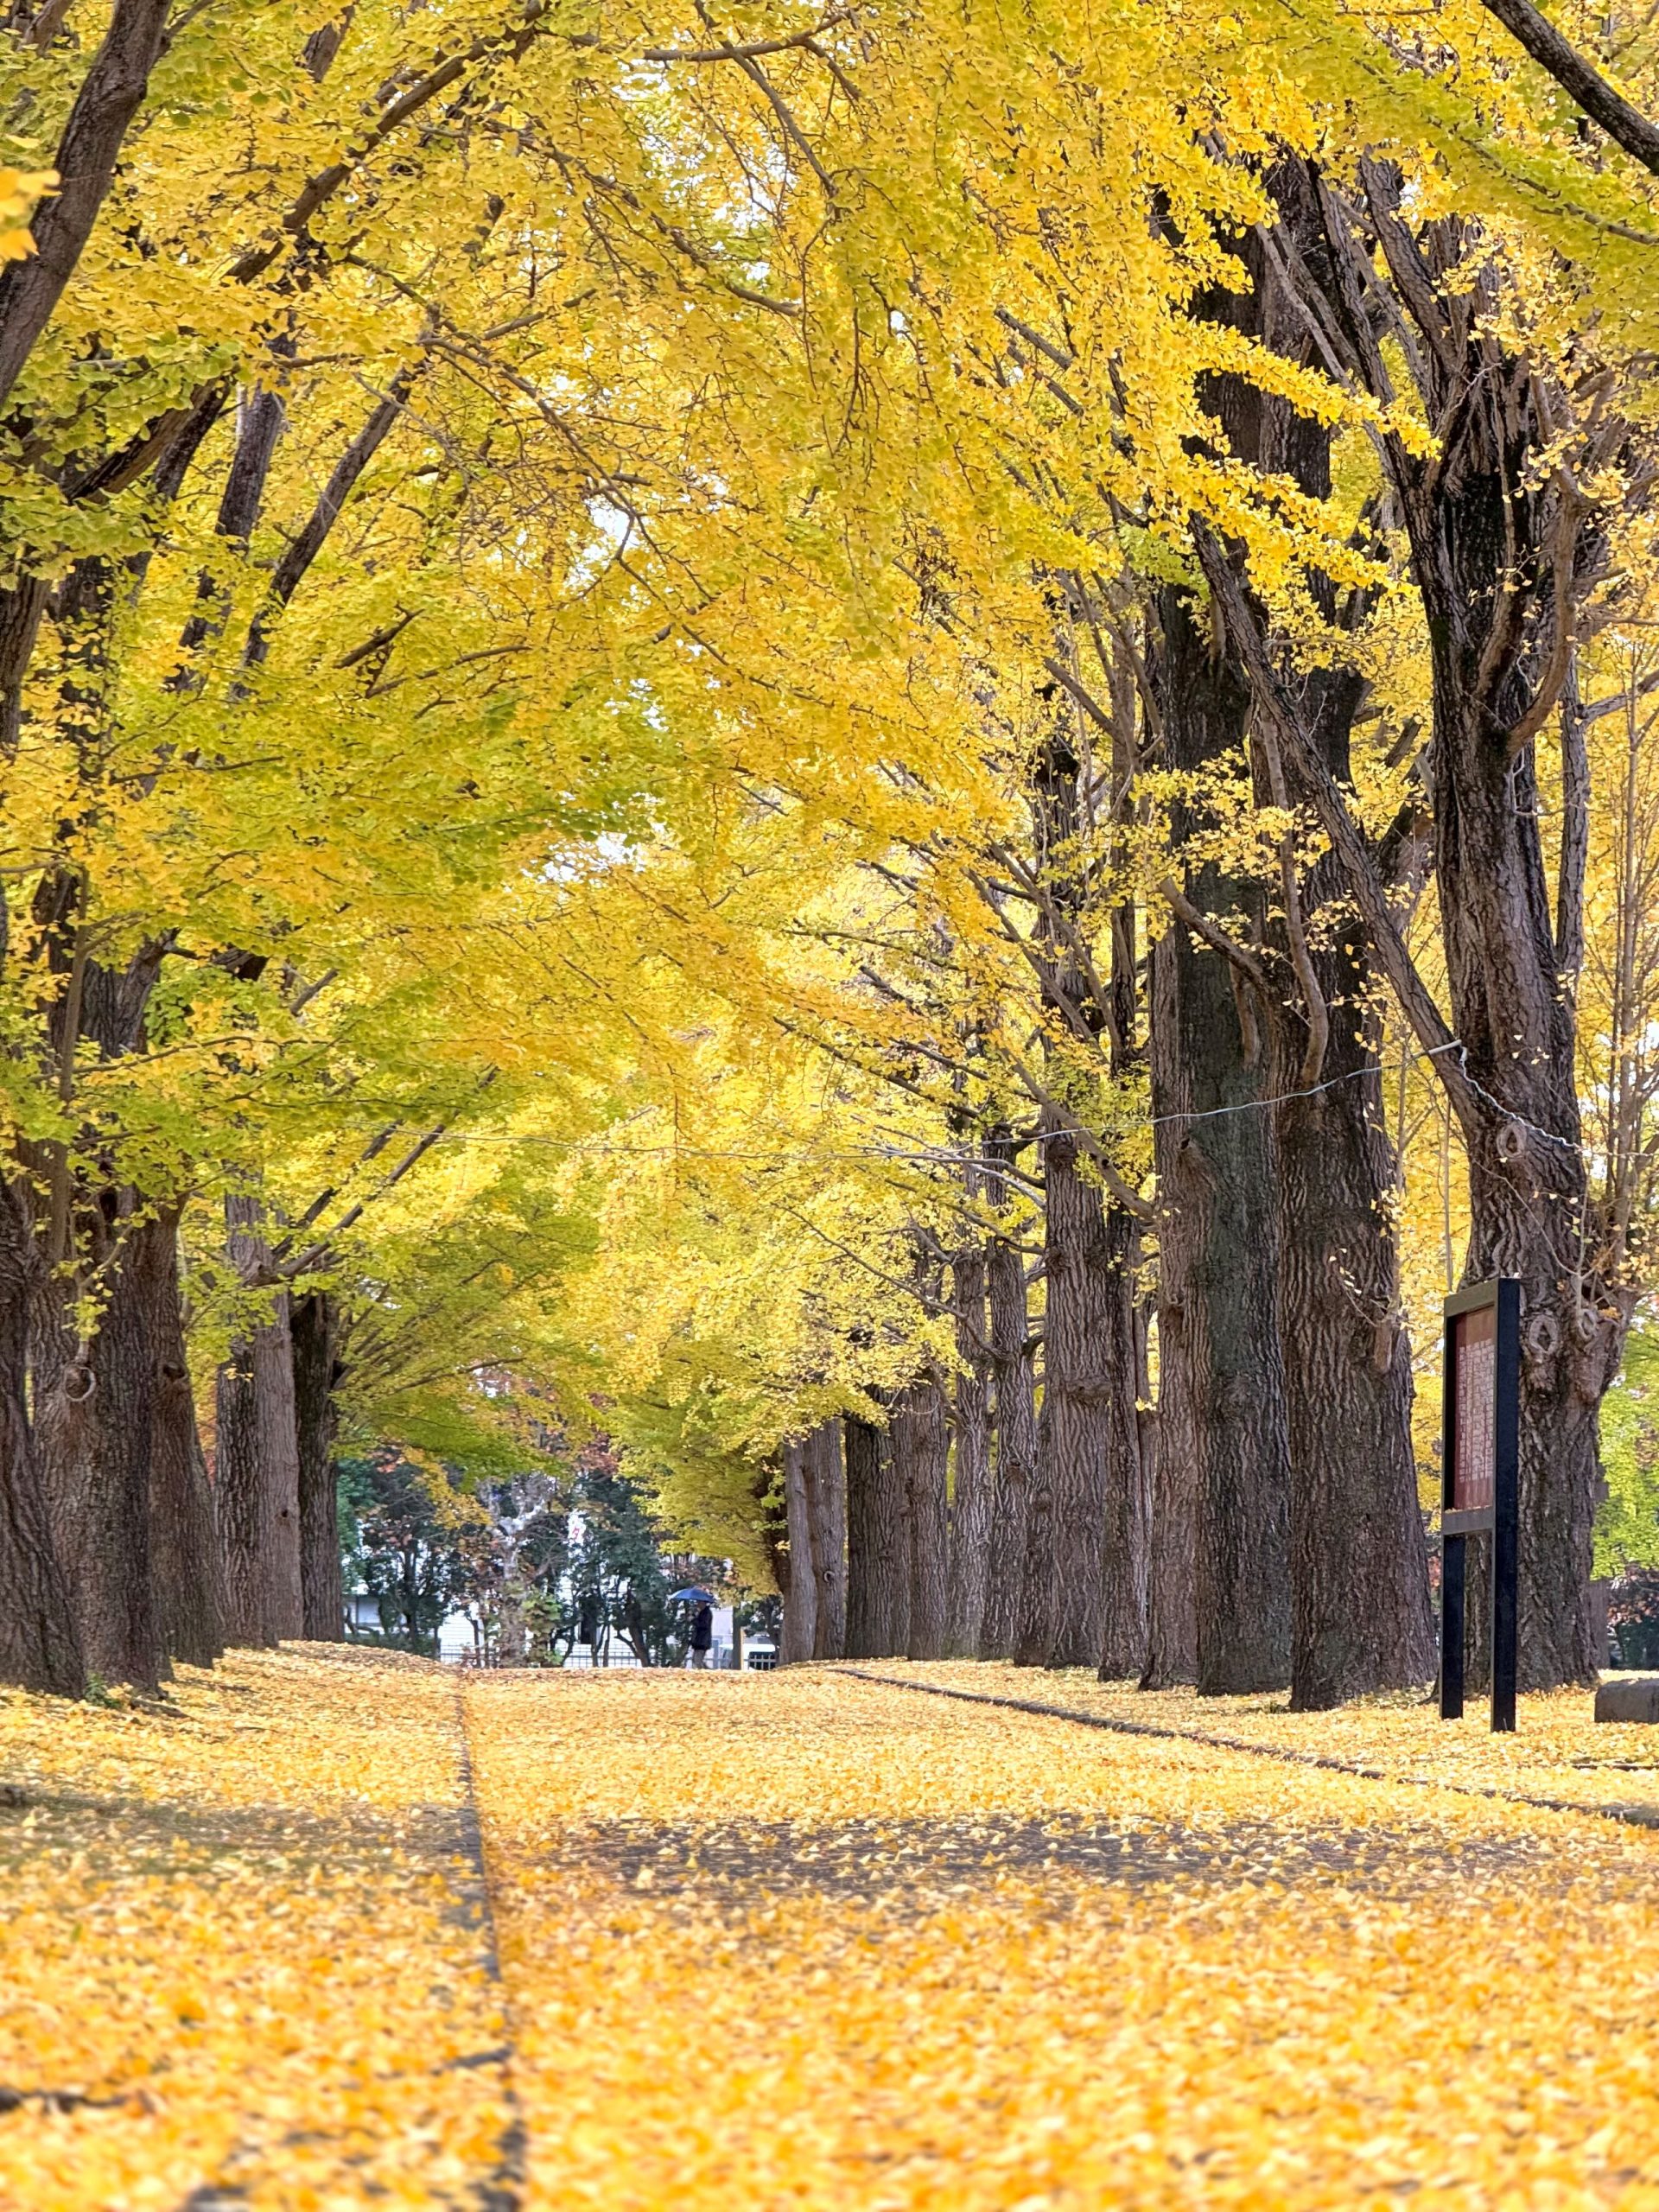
[[1480, 1468]]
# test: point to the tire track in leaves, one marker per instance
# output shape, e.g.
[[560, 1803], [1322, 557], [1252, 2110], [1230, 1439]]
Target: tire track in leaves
[[502, 2191], [499, 2187]]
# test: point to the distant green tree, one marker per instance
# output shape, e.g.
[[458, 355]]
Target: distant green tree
[[1627, 1526], [523, 1557], [619, 1579], [405, 1543], [762, 1616]]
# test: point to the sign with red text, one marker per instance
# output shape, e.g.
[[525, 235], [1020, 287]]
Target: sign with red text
[[1474, 1354]]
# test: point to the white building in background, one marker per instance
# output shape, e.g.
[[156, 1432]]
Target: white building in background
[[457, 1639], [362, 1612]]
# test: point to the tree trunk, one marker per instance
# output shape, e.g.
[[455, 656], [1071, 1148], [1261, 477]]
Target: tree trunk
[[94, 1408], [1217, 1226], [1530, 1208], [1014, 1421], [878, 1546], [279, 1452], [259, 1453], [1122, 1649], [1501, 543], [1172, 1594], [1360, 1580], [1090, 1428], [511, 1631], [1361, 1619], [1037, 1607], [970, 1503], [40, 1644], [921, 1467], [242, 1503], [314, 1325], [110, 96], [94, 1402], [1359, 1567], [184, 1545], [1059, 1606], [826, 1509], [800, 1599]]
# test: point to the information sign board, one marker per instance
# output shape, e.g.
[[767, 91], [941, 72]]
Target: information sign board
[[1474, 1354], [1480, 1481]]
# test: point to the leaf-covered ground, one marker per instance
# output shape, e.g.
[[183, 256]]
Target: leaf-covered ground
[[805, 1941], [243, 1955]]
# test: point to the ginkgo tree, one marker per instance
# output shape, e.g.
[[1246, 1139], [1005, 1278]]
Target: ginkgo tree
[[845, 642]]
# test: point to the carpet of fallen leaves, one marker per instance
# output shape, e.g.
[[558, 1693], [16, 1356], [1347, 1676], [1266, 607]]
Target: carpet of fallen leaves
[[242, 1959], [1559, 1754], [803, 1940]]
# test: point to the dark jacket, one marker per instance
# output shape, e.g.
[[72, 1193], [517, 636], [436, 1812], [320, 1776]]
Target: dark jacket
[[703, 1629]]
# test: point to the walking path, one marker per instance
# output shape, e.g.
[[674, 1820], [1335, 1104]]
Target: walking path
[[243, 1952], [335, 1929]]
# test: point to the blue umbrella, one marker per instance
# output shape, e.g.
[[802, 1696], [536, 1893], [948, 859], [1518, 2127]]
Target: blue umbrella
[[691, 1597]]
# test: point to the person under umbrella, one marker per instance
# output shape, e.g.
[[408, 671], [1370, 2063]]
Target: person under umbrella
[[703, 1622]]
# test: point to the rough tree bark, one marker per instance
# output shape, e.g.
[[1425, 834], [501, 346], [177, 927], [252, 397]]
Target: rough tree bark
[[1359, 1584], [1066, 1512], [93, 1401], [94, 1404], [878, 1546], [1126, 1593], [110, 96], [826, 1506], [1173, 1591], [1014, 1411], [1089, 1436], [1503, 541], [40, 1644], [257, 1466], [184, 1544], [1222, 1391], [970, 1502], [1359, 1573], [1530, 1214], [1121, 1649], [314, 1325], [242, 1504], [279, 1453], [921, 1471], [1085, 1528], [801, 1598]]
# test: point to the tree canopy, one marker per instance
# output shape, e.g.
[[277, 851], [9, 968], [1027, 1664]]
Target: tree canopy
[[911, 722]]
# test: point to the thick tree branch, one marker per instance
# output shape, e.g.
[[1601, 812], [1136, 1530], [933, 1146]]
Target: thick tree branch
[[290, 570], [111, 94], [1218, 939], [1317, 1013], [1370, 896], [752, 49], [1038, 1091], [1625, 125]]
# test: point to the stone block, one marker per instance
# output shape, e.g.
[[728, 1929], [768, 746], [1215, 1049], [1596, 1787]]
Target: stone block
[[1637, 1701]]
